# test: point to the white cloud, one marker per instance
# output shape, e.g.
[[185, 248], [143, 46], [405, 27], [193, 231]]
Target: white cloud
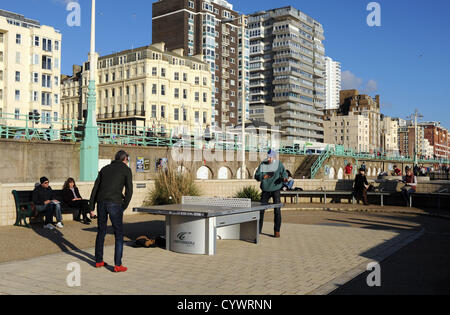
[[350, 81]]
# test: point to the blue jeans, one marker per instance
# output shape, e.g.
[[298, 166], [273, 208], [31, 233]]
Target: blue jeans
[[115, 212]]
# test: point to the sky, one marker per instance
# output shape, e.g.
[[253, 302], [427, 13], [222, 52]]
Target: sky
[[406, 60]]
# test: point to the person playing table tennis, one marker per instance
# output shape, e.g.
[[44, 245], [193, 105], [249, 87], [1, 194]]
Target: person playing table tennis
[[271, 173]]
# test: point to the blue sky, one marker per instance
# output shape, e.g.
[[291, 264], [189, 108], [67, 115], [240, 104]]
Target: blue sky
[[406, 60]]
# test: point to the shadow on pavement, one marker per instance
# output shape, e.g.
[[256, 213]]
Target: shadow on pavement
[[57, 237]]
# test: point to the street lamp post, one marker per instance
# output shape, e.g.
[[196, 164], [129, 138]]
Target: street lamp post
[[243, 100], [414, 117], [90, 143]]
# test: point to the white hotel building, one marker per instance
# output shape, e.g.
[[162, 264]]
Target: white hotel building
[[30, 63], [332, 83]]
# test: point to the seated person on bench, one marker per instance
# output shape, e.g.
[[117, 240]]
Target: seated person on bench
[[43, 199], [72, 198], [289, 184]]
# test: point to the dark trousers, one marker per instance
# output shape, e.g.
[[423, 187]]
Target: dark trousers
[[48, 210], [115, 212], [265, 196], [406, 193], [361, 194], [82, 205]]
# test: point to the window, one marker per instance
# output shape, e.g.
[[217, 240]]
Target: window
[[35, 96], [17, 95], [184, 114], [46, 117], [197, 80], [163, 72], [154, 71], [56, 45], [177, 93], [46, 81], [18, 39], [56, 96], [184, 93], [163, 111], [35, 77], [163, 90], [46, 44], [35, 59], [205, 97], [204, 117], [154, 92], [176, 76], [153, 111], [205, 81], [46, 63], [46, 99], [18, 57], [36, 41], [16, 113], [56, 81], [197, 96], [176, 114], [191, 4], [17, 76], [185, 77], [197, 117]]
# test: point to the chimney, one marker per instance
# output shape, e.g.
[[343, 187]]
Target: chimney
[[161, 46], [179, 51]]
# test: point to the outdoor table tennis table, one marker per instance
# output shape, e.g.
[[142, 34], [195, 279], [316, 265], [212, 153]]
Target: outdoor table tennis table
[[194, 226]]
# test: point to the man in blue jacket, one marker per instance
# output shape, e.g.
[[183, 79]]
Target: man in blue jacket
[[272, 174]]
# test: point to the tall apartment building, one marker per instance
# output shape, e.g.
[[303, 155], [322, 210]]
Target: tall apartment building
[[332, 83], [438, 137], [286, 71], [30, 63], [210, 28], [408, 144], [145, 87]]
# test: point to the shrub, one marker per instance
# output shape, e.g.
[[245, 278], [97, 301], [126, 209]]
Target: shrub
[[171, 186], [249, 192]]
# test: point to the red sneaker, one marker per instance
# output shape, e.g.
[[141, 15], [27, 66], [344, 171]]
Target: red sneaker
[[120, 269], [101, 264]]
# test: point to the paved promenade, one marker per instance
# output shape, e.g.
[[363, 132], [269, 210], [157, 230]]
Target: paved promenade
[[307, 259]]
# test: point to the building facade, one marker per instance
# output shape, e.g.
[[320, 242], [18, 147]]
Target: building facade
[[145, 87], [351, 102], [287, 63], [438, 138], [210, 28], [350, 131], [333, 83], [389, 135], [30, 63]]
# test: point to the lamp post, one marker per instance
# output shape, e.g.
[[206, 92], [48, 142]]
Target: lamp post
[[243, 107], [90, 143], [414, 117]]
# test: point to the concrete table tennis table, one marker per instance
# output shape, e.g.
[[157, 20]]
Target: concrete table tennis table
[[194, 226]]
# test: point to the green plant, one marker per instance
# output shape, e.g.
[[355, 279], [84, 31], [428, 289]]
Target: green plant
[[170, 186], [249, 192]]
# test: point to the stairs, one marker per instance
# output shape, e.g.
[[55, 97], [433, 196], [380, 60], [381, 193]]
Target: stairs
[[304, 170]]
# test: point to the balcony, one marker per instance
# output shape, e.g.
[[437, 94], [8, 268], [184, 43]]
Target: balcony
[[225, 53]]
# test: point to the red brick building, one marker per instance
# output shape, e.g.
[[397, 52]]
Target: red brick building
[[438, 138]]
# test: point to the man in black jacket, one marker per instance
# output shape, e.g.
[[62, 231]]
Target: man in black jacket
[[361, 186], [107, 194], [44, 201]]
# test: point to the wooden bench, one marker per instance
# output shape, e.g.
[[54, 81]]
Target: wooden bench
[[25, 206]]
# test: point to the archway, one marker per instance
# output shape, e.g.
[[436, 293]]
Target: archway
[[340, 174], [204, 173], [224, 173], [238, 174], [331, 173]]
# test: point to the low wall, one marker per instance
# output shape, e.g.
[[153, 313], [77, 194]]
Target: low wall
[[209, 188]]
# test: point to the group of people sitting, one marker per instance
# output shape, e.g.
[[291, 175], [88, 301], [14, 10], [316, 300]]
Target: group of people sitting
[[361, 186], [46, 202]]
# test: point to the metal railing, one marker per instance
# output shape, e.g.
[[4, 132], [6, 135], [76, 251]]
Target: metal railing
[[21, 127]]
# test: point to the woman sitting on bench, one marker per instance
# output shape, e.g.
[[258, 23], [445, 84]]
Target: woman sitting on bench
[[72, 198]]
